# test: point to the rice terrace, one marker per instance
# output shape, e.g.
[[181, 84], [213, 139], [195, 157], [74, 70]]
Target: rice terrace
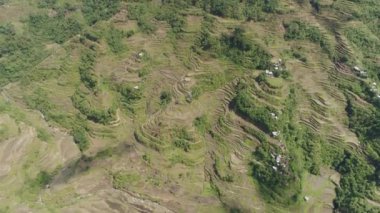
[[190, 106]]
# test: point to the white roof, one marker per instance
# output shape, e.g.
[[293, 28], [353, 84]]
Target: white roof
[[278, 159]]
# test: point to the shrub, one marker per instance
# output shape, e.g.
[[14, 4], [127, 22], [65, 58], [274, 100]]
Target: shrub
[[7, 29], [354, 185], [129, 94], [171, 15], [97, 10], [297, 30], [165, 98], [251, 9], [16, 47], [182, 139], [146, 25], [275, 180], [244, 52], [202, 124], [315, 4], [43, 135], [103, 116], [39, 100], [81, 138], [367, 43], [86, 64], [182, 144], [209, 82], [144, 15], [261, 78], [244, 105], [91, 36], [46, 3], [43, 178], [58, 28], [121, 179], [225, 8], [114, 39], [205, 41], [2, 2]]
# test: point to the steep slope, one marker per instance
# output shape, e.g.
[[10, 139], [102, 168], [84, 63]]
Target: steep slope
[[189, 106]]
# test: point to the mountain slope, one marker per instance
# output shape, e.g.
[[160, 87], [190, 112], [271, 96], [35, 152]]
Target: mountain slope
[[189, 106]]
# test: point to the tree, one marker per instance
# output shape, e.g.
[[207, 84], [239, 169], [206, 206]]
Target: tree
[[96, 10]]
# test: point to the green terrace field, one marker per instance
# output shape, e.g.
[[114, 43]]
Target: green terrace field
[[189, 106]]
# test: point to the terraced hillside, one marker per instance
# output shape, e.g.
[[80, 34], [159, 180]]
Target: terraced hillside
[[189, 106]]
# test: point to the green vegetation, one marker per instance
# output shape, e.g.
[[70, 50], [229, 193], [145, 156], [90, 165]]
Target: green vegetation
[[315, 4], [2, 2], [47, 3], [369, 44], [365, 123], [182, 139], [205, 41], [209, 83], [202, 124], [261, 139], [129, 96], [42, 179], [15, 47], [87, 62], [122, 179], [297, 53], [171, 15], [115, 40], [81, 138], [354, 185], [180, 158], [58, 28], [143, 14], [146, 14], [250, 10], [103, 116], [39, 101], [259, 115], [280, 173], [308, 152], [221, 170], [244, 52], [297, 30], [43, 135], [34, 185], [7, 30], [97, 10], [165, 98]]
